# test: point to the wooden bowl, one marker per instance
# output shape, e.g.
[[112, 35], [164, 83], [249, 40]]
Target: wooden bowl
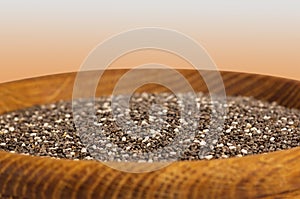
[[272, 175]]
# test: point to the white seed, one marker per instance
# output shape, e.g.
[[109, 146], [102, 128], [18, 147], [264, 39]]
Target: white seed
[[32, 134], [244, 151], [258, 131], [224, 156], [265, 136], [83, 150], [108, 145], [208, 157], [128, 148], [253, 129], [220, 145], [144, 122], [248, 125], [284, 119], [58, 121], [197, 141], [146, 139]]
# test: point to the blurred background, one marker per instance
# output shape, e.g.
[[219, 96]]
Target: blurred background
[[47, 37]]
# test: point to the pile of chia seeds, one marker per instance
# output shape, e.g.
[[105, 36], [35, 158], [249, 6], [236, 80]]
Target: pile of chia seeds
[[151, 125]]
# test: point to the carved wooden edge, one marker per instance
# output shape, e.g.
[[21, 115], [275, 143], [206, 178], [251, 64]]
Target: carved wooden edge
[[260, 176], [52, 88]]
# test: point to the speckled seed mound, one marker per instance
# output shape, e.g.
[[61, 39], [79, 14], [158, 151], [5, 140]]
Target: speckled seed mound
[[250, 127]]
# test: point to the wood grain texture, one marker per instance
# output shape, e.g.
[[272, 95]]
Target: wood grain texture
[[273, 175]]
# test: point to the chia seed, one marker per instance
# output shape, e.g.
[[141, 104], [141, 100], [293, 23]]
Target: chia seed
[[251, 127]]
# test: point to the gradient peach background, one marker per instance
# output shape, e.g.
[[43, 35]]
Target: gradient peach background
[[39, 38]]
